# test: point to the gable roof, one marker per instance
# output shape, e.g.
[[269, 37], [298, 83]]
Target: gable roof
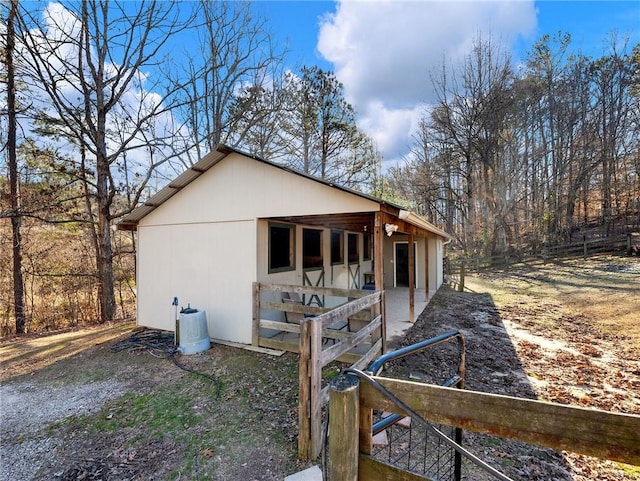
[[131, 220]]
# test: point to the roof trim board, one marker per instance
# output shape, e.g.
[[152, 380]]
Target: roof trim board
[[131, 220]]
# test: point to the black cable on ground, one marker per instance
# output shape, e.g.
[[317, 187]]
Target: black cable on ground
[[193, 371], [159, 344]]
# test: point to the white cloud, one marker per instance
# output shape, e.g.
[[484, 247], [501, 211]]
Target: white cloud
[[385, 51], [390, 127], [56, 42]]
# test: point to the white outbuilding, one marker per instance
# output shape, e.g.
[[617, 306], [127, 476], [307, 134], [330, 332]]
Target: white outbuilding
[[233, 219]]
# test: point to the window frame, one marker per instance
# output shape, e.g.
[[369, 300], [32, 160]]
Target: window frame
[[340, 234], [292, 248], [350, 259], [367, 245], [320, 232]]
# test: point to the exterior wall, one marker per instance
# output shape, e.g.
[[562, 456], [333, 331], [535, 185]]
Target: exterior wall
[[336, 275], [436, 273], [209, 266], [200, 245], [206, 245], [240, 188]]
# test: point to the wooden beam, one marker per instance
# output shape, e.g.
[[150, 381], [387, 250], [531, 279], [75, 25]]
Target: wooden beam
[[378, 257], [591, 432], [304, 392], [343, 428], [370, 468], [426, 268], [350, 342], [412, 270], [378, 251], [315, 372]]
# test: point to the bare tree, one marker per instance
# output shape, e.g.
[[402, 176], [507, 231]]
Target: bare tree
[[473, 105], [235, 57], [613, 79], [14, 194], [88, 59], [526, 160]]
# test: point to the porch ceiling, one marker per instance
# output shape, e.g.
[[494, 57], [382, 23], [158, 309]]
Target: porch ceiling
[[355, 222]]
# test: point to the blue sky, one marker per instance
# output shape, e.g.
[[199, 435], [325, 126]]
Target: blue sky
[[384, 51]]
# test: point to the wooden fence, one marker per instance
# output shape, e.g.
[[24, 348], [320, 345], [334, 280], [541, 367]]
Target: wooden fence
[[586, 431], [628, 243], [351, 332]]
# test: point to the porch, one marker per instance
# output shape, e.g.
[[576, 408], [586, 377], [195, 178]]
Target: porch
[[282, 330], [398, 309], [324, 325]]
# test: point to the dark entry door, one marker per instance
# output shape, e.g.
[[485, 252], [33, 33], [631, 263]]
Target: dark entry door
[[402, 264]]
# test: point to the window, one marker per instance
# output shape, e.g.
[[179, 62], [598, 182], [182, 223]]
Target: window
[[337, 247], [312, 249], [353, 253], [366, 254], [281, 247]]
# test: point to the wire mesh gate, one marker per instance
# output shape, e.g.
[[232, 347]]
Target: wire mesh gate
[[354, 397], [406, 442], [415, 449], [410, 446]]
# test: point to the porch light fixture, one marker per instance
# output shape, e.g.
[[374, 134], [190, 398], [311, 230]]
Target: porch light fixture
[[390, 228]]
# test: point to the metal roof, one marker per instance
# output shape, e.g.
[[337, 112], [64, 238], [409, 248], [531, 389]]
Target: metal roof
[[130, 221]]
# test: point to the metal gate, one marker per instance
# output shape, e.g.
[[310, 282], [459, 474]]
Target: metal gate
[[408, 443], [359, 402], [404, 443]]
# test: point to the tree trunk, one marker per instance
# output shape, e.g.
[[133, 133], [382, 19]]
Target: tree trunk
[[16, 216], [105, 254]]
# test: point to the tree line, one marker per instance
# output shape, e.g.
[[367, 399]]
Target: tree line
[[516, 158], [104, 102]]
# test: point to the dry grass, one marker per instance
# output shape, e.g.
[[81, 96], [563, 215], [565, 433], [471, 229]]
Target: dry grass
[[27, 354], [606, 289]]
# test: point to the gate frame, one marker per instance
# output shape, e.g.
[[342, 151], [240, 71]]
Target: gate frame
[[591, 432]]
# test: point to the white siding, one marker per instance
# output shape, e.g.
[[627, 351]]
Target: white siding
[[209, 266], [436, 277], [240, 188], [207, 245]]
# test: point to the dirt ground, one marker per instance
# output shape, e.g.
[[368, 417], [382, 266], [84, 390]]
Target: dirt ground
[[565, 332], [73, 409]]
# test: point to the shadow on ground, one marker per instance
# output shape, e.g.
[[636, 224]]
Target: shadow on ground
[[492, 366]]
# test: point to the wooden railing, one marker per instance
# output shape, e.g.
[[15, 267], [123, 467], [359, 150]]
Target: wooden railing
[[628, 243], [585, 431], [326, 335]]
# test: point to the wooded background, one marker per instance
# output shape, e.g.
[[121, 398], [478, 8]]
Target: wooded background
[[97, 114]]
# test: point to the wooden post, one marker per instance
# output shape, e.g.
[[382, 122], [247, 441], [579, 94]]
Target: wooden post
[[412, 270], [366, 429], [255, 332], [310, 388], [315, 375], [383, 328], [378, 256], [304, 391], [378, 251], [344, 428]]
